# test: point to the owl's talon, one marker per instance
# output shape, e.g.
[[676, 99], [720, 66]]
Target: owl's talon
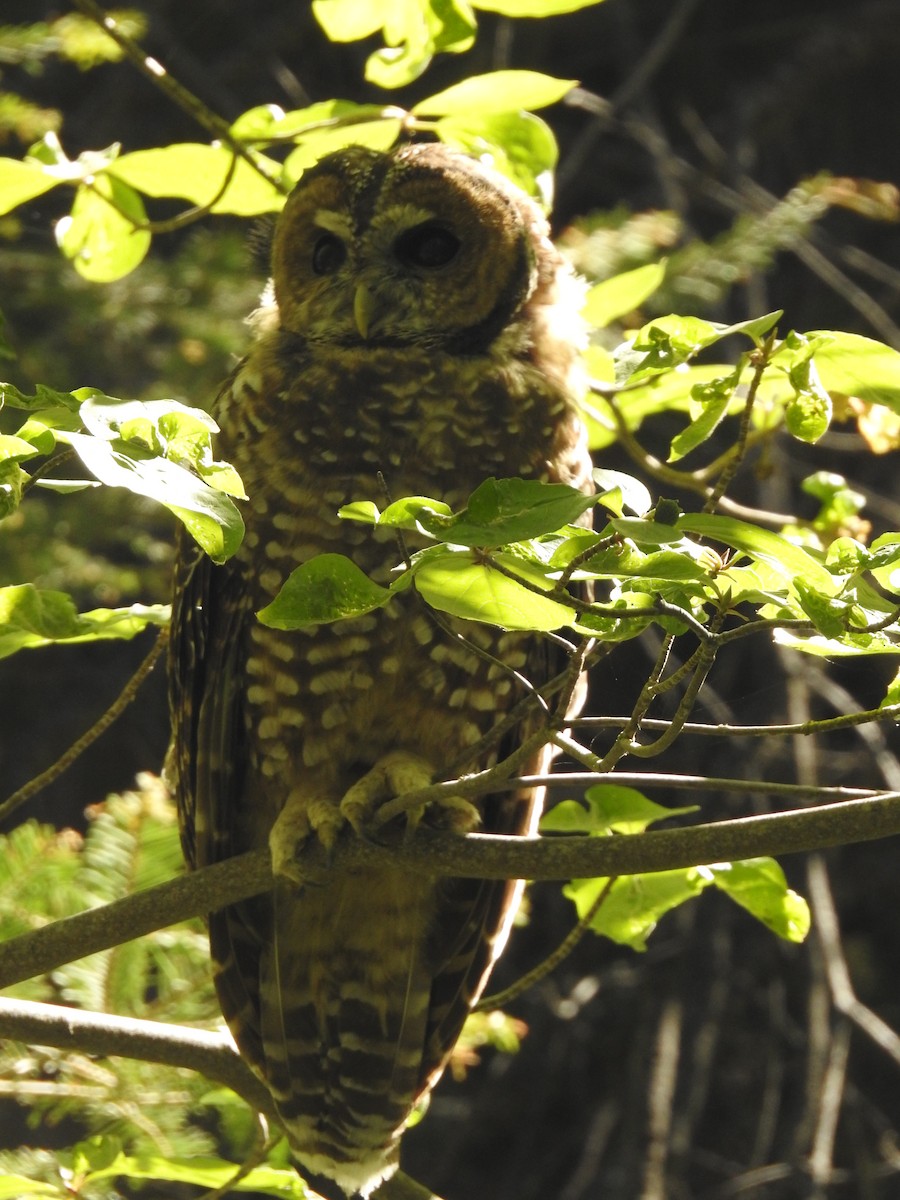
[[294, 830], [373, 800]]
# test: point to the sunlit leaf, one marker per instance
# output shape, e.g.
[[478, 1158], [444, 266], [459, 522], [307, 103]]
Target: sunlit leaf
[[463, 584], [378, 134], [496, 92], [207, 176], [622, 294], [788, 560], [209, 516], [853, 365], [517, 144], [611, 808], [44, 397], [759, 886], [635, 903], [511, 510], [21, 182], [102, 235], [31, 617], [634, 494], [532, 8]]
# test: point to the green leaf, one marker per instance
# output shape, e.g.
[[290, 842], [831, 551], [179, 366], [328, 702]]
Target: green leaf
[[14, 1186], [852, 365], [348, 20], [30, 617], [829, 614], [646, 532], [635, 903], [21, 182], [496, 92], [622, 294], [413, 30], [511, 510], [517, 144], [759, 886], [611, 808], [206, 1172], [533, 8], [328, 587], [195, 172], [15, 449], [380, 134], [464, 584], [786, 559], [101, 235], [808, 412], [714, 399], [44, 397], [181, 434], [849, 645], [632, 494], [209, 516]]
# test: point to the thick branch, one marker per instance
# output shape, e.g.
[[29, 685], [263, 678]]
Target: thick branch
[[210, 1054], [478, 856]]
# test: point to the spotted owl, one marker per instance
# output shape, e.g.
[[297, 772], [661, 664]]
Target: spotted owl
[[419, 335]]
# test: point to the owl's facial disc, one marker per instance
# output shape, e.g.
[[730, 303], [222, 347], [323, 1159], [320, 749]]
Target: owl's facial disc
[[408, 248]]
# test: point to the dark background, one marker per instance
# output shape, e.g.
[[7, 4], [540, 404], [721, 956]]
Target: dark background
[[701, 1069]]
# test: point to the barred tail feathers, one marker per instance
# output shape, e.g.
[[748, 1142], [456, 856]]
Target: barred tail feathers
[[344, 994]]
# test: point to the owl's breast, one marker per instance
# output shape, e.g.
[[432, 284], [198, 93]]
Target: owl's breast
[[428, 423]]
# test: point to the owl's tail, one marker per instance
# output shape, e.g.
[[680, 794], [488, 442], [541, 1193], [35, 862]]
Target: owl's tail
[[337, 1024]]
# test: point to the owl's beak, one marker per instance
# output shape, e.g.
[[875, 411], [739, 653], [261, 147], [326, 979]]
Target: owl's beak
[[364, 308]]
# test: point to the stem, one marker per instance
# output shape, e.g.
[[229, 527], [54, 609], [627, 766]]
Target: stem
[[115, 710], [175, 91]]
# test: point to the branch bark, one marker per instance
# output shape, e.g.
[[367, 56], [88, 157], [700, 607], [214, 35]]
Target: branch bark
[[476, 856], [211, 1054]]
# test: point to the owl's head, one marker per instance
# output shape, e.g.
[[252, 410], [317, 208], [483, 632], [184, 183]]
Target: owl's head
[[420, 245]]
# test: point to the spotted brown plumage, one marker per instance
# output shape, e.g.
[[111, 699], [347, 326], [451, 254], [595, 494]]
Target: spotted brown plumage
[[420, 329]]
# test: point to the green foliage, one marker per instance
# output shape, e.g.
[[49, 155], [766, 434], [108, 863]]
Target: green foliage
[[30, 617], [107, 233], [145, 1112], [415, 30], [73, 38], [630, 906], [161, 450]]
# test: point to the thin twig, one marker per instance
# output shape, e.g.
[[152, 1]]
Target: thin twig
[[888, 712], [115, 710], [552, 961], [175, 91]]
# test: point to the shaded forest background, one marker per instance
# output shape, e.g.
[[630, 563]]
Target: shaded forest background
[[699, 1070]]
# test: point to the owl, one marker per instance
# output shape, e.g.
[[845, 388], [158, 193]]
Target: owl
[[420, 334]]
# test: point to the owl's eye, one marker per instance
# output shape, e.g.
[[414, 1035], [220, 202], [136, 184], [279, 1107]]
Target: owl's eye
[[428, 245], [328, 255]]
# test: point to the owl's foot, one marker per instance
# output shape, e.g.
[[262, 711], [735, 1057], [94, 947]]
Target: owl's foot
[[394, 776], [297, 823]]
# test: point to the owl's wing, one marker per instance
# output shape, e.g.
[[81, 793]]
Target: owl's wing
[[208, 763]]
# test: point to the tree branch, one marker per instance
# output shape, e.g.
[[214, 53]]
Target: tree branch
[[476, 856], [210, 1054]]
